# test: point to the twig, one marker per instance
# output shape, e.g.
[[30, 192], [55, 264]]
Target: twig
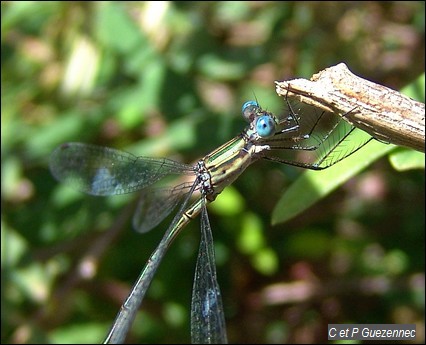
[[382, 112]]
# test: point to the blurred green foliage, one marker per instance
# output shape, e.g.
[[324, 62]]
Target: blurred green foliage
[[168, 79]]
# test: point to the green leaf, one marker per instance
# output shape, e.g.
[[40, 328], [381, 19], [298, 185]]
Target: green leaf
[[312, 186], [405, 159], [88, 333], [115, 29], [230, 202], [416, 89]]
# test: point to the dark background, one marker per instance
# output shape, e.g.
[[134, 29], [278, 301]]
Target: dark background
[[167, 79]]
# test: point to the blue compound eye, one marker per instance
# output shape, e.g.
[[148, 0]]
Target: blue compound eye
[[248, 104], [249, 110], [265, 126]]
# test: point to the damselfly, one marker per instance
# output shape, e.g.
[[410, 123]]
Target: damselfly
[[304, 138]]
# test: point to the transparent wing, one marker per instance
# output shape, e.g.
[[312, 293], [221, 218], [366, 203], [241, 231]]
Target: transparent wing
[[155, 204], [130, 307], [207, 317], [100, 170]]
